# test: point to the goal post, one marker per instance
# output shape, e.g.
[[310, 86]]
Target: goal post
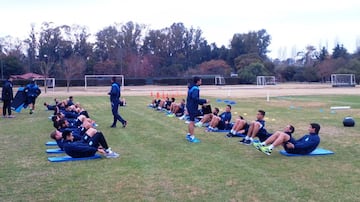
[[265, 80], [343, 80], [49, 82], [103, 80], [219, 80]]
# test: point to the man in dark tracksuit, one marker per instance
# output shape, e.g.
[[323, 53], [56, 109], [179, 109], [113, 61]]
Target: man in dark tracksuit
[[115, 101], [32, 92], [92, 142], [7, 97], [192, 103], [305, 144]]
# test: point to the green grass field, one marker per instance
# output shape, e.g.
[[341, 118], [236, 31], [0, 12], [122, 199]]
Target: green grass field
[[158, 164]]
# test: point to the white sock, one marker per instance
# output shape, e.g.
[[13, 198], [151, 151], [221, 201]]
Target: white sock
[[271, 147], [251, 139], [247, 138], [233, 132]]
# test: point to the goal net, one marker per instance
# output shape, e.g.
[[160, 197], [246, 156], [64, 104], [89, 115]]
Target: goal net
[[49, 82], [219, 80], [265, 80], [103, 80], [343, 80]]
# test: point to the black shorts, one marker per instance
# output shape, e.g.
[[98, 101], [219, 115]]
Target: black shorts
[[223, 126], [194, 114], [31, 100], [263, 135]]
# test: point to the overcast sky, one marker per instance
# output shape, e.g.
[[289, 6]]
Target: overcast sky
[[292, 24]]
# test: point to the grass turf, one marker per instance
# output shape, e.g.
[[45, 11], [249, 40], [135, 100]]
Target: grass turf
[[157, 164]]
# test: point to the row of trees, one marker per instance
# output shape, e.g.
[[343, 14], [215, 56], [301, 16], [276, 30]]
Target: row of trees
[[131, 49]]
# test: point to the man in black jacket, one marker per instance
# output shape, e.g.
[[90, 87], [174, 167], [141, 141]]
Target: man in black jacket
[[7, 97]]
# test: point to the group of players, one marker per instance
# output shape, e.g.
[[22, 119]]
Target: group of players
[[75, 132], [250, 131]]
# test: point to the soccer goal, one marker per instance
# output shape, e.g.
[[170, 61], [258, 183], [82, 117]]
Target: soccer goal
[[343, 80], [219, 80], [265, 80], [49, 82], [103, 80]]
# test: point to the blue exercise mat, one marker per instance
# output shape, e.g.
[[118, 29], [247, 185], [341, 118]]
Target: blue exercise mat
[[57, 159], [316, 152], [54, 151], [217, 130], [51, 143]]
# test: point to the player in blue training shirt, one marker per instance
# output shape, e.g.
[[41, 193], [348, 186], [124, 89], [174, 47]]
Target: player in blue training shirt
[[32, 92], [222, 121], [192, 103], [115, 101], [304, 145], [256, 129]]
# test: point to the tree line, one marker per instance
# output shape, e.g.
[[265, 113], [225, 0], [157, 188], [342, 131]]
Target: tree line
[[134, 50]]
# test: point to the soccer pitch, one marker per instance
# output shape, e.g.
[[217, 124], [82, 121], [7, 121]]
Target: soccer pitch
[[158, 164]]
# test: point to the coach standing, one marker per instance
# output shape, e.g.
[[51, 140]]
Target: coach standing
[[7, 97], [192, 104], [115, 101]]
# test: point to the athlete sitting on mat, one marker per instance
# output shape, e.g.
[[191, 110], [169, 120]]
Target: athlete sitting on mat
[[221, 122], [93, 141], [207, 117], [239, 127], [256, 129], [304, 145], [177, 109]]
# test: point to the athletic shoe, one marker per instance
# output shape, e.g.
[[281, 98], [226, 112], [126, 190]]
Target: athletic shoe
[[194, 140], [188, 137], [266, 150], [124, 124], [113, 126], [11, 116], [111, 154], [182, 117], [257, 145], [229, 135], [242, 141], [247, 142], [171, 115], [198, 124]]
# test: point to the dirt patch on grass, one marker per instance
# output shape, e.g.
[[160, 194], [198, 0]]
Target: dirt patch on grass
[[234, 91]]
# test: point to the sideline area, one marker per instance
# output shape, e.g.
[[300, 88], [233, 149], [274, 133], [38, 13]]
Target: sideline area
[[236, 91]]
